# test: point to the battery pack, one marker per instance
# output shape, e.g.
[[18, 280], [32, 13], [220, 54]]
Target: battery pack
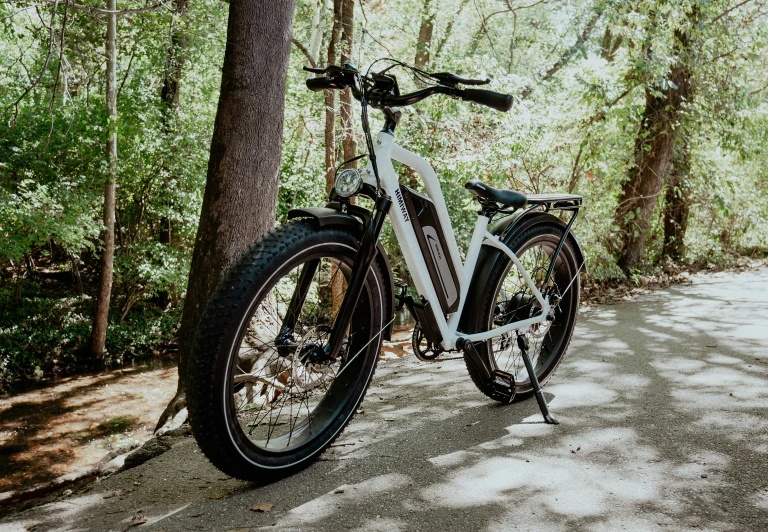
[[429, 233]]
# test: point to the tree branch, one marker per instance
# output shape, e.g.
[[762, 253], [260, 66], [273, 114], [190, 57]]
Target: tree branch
[[52, 29], [304, 50], [58, 69], [107, 11], [449, 28], [725, 13], [568, 55]]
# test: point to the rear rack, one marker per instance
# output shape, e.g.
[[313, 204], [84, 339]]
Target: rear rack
[[563, 202]]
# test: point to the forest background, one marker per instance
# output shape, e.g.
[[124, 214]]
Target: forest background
[[655, 112]]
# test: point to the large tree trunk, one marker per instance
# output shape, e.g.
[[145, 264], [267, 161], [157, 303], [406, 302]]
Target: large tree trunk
[[653, 149], [242, 182], [337, 287], [170, 94], [424, 44], [101, 316], [348, 140], [676, 203]]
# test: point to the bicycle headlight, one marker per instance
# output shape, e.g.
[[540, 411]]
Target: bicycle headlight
[[348, 182]]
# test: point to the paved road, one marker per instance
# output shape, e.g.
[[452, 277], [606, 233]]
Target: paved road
[[662, 402]]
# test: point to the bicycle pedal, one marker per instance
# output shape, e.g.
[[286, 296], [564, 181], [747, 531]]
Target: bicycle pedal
[[502, 386]]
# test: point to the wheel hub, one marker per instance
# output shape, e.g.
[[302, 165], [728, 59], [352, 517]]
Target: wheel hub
[[310, 364]]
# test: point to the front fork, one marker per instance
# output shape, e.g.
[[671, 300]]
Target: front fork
[[365, 255]]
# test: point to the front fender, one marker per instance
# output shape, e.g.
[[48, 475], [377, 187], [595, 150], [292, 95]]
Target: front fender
[[353, 220]]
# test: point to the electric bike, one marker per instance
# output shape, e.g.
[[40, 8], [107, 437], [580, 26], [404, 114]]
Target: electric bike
[[289, 341]]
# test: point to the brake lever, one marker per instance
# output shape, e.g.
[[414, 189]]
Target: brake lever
[[452, 80], [314, 70]]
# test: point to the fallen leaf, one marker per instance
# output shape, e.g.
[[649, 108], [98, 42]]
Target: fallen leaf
[[219, 496], [136, 520], [263, 507]]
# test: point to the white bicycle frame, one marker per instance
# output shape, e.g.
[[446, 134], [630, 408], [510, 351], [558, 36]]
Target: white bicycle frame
[[386, 151]]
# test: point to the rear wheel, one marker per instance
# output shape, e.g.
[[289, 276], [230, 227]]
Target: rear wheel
[[507, 298], [264, 396]]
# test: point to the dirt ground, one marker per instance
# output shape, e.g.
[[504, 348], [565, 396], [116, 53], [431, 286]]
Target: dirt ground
[[52, 431], [73, 423]]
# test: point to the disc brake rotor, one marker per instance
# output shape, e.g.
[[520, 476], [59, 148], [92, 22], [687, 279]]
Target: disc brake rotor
[[305, 374]]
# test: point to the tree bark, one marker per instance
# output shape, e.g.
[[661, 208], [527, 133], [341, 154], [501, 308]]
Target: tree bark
[[653, 149], [242, 182], [424, 44], [346, 111], [101, 316]]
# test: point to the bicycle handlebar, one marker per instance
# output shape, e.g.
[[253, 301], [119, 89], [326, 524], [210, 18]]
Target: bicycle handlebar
[[319, 84], [494, 100]]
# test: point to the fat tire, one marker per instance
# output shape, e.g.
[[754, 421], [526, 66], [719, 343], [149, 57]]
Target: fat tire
[[240, 286]]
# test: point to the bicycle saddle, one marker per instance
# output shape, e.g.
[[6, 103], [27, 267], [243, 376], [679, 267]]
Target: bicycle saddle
[[508, 198]]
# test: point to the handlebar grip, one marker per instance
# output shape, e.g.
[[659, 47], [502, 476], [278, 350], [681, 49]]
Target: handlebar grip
[[494, 100], [319, 84]]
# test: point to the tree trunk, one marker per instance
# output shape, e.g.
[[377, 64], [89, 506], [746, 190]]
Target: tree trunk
[[316, 33], [170, 94], [676, 203], [330, 100], [242, 181], [101, 316], [449, 29], [653, 149], [333, 297], [424, 44], [348, 141]]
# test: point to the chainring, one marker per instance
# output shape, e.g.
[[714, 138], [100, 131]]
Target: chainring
[[424, 350]]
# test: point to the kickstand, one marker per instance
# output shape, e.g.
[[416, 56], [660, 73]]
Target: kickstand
[[522, 343]]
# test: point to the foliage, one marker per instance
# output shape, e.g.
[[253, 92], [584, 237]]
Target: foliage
[[579, 71], [42, 330]]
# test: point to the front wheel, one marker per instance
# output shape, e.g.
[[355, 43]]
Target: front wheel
[[264, 396], [507, 298]]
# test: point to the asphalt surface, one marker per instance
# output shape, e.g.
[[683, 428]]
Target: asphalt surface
[[664, 426]]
